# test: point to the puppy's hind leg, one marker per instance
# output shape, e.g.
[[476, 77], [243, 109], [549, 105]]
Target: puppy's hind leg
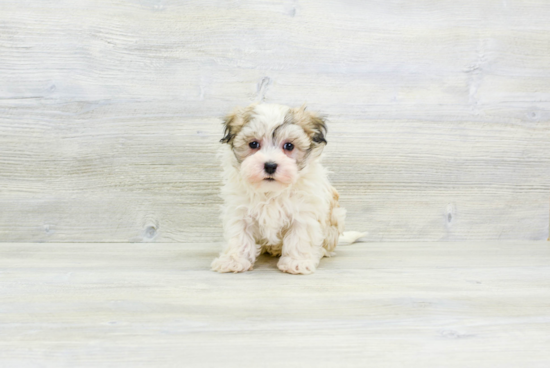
[[240, 251]]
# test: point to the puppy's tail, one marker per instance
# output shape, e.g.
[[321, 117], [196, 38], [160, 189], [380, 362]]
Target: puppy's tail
[[350, 237]]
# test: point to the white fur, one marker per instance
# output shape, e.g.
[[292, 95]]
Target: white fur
[[350, 237], [295, 216]]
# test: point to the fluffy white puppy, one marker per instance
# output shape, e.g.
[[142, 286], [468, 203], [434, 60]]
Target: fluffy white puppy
[[278, 198]]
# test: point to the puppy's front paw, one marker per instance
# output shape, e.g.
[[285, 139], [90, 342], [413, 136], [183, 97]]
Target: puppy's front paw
[[297, 266], [231, 263]]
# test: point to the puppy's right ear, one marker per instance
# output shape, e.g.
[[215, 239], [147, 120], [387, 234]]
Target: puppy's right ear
[[230, 123], [235, 121]]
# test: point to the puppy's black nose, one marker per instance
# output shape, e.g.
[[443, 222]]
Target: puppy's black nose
[[270, 167]]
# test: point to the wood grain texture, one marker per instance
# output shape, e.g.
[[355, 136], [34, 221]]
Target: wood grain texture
[[437, 304], [109, 113]]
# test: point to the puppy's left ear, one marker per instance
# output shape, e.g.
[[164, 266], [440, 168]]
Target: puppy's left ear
[[318, 128], [313, 124]]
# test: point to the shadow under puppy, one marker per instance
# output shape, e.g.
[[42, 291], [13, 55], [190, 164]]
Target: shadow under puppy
[[277, 196]]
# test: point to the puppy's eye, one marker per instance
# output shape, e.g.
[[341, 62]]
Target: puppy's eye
[[254, 145], [288, 146]]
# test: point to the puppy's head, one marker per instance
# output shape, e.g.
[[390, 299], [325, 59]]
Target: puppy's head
[[274, 144]]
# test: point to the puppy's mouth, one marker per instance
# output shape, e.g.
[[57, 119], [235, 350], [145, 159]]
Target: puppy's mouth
[[269, 179]]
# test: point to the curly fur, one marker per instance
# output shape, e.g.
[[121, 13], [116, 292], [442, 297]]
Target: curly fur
[[292, 213]]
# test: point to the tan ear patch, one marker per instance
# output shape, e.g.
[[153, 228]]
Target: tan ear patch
[[235, 121], [313, 124]]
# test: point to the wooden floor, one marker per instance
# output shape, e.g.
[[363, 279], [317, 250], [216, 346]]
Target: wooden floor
[[373, 305]]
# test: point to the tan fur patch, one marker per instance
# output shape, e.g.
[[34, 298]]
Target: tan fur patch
[[335, 195], [313, 124], [334, 204], [235, 121], [335, 222]]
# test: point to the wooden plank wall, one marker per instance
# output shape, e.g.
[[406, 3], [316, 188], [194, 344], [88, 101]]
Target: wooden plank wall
[[109, 112]]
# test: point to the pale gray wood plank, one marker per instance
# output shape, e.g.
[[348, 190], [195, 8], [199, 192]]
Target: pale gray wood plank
[[440, 113], [481, 304], [116, 179]]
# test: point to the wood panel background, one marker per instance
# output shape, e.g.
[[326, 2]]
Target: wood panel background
[[109, 113]]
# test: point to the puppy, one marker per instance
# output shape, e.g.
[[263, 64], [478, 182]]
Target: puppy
[[277, 195]]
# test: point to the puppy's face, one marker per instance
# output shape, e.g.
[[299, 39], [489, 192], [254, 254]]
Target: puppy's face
[[273, 144]]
